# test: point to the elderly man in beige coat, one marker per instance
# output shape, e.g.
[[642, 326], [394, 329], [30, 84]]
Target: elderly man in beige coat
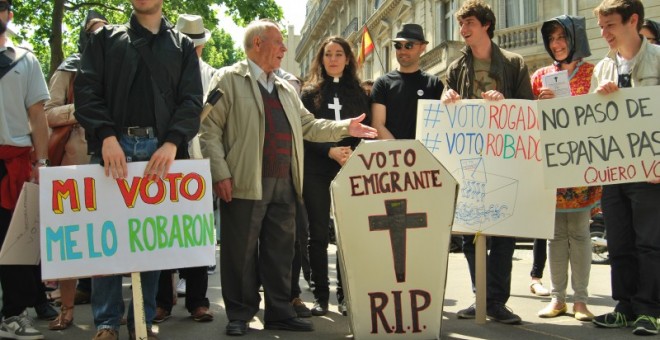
[[254, 138]]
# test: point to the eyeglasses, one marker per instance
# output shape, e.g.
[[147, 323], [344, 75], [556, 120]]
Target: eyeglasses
[[4, 6], [408, 45]]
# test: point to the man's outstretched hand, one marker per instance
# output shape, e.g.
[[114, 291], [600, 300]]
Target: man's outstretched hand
[[357, 129]]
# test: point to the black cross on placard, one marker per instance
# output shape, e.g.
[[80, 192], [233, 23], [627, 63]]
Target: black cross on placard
[[397, 221]]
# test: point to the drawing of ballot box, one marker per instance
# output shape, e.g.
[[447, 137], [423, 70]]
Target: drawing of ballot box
[[485, 199]]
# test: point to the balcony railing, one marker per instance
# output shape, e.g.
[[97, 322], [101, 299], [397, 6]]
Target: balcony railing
[[519, 36], [310, 24], [350, 28]]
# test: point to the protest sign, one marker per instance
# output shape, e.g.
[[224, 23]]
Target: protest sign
[[94, 225], [393, 206], [601, 139], [492, 149], [21, 245]]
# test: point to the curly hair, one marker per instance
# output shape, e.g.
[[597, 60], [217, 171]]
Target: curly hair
[[625, 8], [479, 10]]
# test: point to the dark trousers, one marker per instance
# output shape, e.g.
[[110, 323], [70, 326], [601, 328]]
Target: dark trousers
[[540, 252], [257, 247], [300, 255], [85, 285], [21, 284], [498, 266], [197, 282], [632, 219], [316, 193]]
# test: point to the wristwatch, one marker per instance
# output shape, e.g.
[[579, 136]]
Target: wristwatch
[[42, 161]]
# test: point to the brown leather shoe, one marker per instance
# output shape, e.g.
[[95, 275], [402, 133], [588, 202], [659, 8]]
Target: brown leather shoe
[[106, 334], [63, 320], [202, 314]]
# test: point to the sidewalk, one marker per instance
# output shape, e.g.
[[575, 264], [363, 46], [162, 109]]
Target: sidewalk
[[458, 295]]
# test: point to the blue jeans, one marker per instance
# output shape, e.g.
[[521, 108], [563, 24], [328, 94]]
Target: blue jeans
[[107, 299]]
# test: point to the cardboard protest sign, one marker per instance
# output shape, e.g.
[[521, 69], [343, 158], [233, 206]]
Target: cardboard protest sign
[[492, 149], [393, 206], [596, 139], [94, 225], [21, 245]]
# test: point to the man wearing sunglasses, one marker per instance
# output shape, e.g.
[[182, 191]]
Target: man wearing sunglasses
[[485, 71], [23, 130], [395, 94]]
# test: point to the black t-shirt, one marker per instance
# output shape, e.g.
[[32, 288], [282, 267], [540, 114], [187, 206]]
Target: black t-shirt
[[399, 93]]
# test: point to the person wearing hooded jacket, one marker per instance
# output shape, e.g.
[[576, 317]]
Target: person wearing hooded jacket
[[59, 112], [651, 31], [565, 39]]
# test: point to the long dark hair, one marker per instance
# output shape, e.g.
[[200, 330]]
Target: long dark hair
[[316, 81]]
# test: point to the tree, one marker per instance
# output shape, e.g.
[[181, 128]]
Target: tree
[[52, 27], [220, 51]]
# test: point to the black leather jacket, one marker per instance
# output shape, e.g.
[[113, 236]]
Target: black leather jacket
[[508, 69], [108, 69]]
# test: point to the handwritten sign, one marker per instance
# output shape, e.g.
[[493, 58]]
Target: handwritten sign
[[596, 139], [393, 206], [21, 244], [493, 150], [94, 225]]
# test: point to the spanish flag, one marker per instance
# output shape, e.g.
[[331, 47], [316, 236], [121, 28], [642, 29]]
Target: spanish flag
[[366, 47]]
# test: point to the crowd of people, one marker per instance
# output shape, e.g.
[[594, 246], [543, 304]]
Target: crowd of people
[[134, 92]]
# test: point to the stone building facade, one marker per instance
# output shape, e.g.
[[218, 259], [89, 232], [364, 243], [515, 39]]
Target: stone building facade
[[517, 29]]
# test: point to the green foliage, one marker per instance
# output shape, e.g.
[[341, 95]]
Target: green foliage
[[219, 51], [37, 18]]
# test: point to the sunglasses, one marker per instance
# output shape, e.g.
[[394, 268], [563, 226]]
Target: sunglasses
[[408, 45], [4, 6]]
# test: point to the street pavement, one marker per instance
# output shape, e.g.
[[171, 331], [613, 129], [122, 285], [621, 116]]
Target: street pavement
[[458, 295]]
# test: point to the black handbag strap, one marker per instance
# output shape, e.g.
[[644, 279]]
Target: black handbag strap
[[155, 67], [7, 62]]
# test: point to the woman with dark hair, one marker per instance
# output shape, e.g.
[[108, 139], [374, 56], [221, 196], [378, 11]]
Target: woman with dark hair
[[651, 31], [565, 39], [332, 91], [59, 112]]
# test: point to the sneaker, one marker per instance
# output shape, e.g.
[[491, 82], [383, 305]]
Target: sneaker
[[181, 287], [537, 288], [19, 327], [501, 313], [202, 314], [611, 320], [211, 270], [320, 308], [106, 334], [343, 308], [467, 313], [46, 312], [646, 325], [162, 314], [301, 310]]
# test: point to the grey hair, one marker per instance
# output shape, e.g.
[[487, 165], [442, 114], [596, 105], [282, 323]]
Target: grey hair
[[256, 28]]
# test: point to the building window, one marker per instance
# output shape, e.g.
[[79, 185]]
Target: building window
[[449, 9], [378, 3], [520, 12]]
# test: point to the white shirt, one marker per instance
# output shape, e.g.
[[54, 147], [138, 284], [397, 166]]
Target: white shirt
[[266, 80]]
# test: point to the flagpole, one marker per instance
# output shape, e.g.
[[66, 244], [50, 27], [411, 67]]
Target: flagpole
[[380, 61]]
